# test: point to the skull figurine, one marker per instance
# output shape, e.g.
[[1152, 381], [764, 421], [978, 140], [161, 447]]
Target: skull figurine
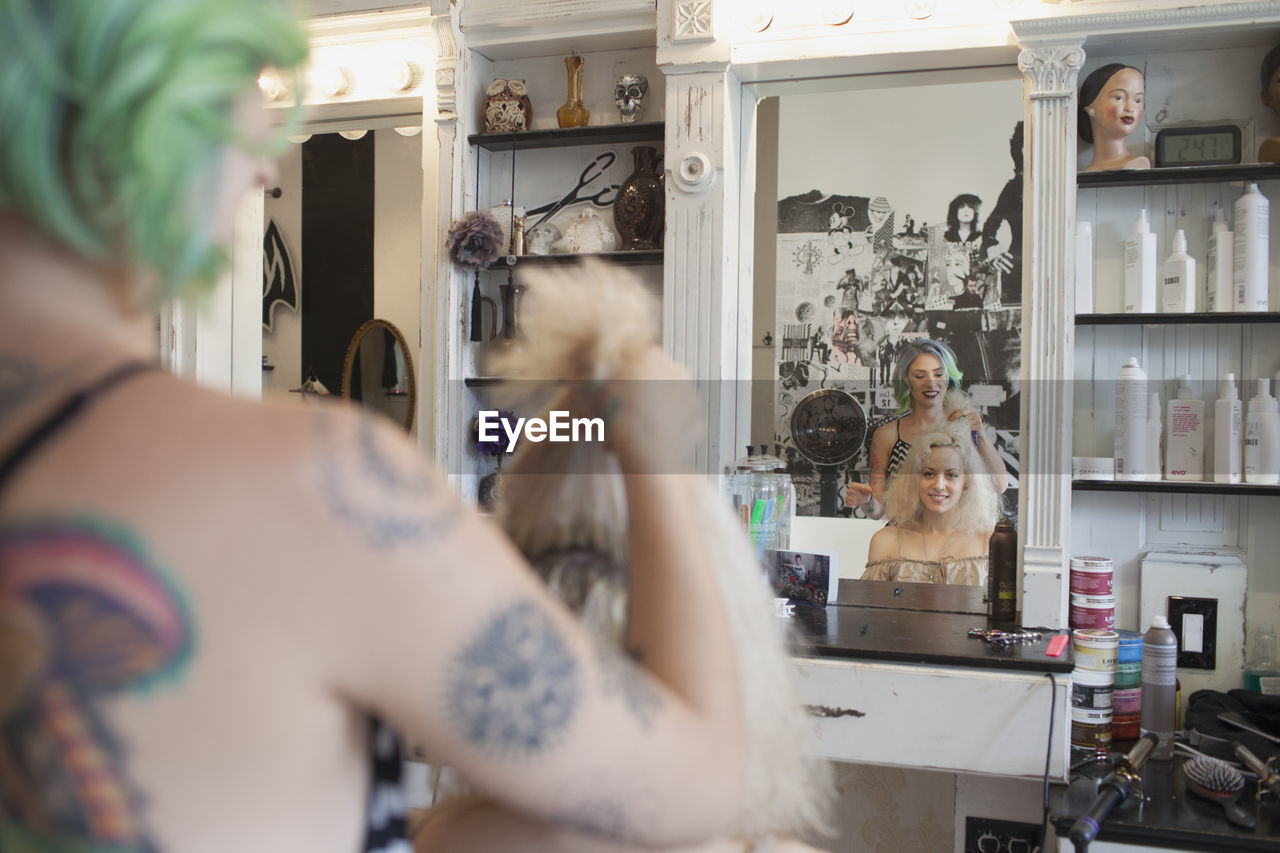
[[629, 94]]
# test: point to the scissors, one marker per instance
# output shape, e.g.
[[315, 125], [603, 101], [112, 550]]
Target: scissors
[[603, 198]]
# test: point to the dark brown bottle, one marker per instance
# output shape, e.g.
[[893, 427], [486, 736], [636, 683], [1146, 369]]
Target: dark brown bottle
[[1002, 573]]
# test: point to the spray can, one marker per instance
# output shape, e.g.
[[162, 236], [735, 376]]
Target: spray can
[[1002, 572], [1160, 685]]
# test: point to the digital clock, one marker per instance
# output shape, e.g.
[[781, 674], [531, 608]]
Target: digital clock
[[1202, 145]]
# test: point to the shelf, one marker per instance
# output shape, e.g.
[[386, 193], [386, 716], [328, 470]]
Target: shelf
[[627, 257], [483, 381], [1173, 487], [1198, 319], [601, 134], [1251, 172]]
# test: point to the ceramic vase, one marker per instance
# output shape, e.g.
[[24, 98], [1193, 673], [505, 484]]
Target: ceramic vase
[[638, 209], [573, 113]]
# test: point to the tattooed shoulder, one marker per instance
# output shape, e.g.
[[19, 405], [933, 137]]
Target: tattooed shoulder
[[387, 503], [515, 687], [84, 615], [622, 677], [20, 379]]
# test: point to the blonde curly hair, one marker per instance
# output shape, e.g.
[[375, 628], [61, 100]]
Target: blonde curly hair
[[980, 505]]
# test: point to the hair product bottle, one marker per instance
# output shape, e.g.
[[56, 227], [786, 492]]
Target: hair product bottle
[[1249, 263], [1184, 451], [1219, 290], [1084, 268], [1002, 572], [1159, 685], [1178, 294], [1131, 422], [1154, 438], [1262, 437], [1226, 432], [1140, 268]]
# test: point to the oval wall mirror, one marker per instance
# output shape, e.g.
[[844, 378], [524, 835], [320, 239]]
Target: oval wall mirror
[[378, 372]]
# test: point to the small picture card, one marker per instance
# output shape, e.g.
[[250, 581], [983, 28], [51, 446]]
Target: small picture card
[[805, 577]]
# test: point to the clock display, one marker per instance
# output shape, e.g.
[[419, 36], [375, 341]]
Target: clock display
[[1198, 146]]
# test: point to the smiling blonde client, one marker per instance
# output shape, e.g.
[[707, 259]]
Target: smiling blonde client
[[942, 507]]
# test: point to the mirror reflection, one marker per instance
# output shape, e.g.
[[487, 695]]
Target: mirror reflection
[[888, 272], [378, 372]]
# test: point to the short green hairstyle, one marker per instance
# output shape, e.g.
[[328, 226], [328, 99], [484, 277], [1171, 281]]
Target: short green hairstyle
[[116, 114]]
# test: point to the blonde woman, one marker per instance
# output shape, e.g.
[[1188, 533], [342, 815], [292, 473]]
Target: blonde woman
[[942, 506]]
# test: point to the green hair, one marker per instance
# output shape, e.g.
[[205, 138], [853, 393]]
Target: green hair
[[117, 112], [907, 355]]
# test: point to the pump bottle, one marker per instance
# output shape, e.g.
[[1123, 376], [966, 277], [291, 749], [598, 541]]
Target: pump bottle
[[1140, 268], [1226, 432], [1179, 286], [1262, 437], [1219, 292]]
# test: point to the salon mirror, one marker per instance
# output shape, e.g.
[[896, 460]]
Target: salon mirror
[[881, 205], [378, 372]]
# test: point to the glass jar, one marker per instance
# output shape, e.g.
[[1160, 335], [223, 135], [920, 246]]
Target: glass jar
[[1262, 662]]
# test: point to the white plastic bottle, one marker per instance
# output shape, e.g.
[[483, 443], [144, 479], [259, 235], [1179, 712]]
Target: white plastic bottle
[[1140, 268], [1219, 287], [1249, 262], [1178, 288], [1184, 450], [1160, 685], [1154, 438], [1131, 422], [1262, 437], [1084, 268], [1226, 432]]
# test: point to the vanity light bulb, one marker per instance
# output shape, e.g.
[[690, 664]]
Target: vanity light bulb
[[412, 130], [333, 82], [272, 87], [353, 134], [404, 75]]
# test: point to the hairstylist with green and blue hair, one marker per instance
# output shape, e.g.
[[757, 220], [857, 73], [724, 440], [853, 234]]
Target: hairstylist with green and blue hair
[[926, 387], [215, 612]]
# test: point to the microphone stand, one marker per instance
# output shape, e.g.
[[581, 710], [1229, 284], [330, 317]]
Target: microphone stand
[[1112, 791]]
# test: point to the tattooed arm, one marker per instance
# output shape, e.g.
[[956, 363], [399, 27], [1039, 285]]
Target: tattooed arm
[[450, 636]]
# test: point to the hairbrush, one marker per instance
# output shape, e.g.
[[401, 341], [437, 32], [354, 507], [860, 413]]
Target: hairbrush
[[1218, 782]]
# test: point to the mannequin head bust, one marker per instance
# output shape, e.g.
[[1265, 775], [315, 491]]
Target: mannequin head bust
[[1270, 80], [1109, 109]]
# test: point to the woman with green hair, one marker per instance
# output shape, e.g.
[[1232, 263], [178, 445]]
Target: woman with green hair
[[926, 387], [206, 601]]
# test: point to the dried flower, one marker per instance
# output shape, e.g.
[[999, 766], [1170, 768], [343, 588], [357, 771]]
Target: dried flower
[[494, 446], [475, 239]]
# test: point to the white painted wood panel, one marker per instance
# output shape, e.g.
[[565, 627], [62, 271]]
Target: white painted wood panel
[[944, 718]]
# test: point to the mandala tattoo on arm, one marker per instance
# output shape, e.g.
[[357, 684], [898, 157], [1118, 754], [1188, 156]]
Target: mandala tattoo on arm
[[622, 677], [366, 491], [515, 687]]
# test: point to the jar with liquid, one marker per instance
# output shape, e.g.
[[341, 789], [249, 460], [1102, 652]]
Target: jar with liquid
[[1262, 661]]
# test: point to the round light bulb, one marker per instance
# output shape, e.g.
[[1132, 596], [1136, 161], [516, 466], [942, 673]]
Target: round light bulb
[[334, 81], [352, 134]]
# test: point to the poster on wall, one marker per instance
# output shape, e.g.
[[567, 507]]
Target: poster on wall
[[889, 242]]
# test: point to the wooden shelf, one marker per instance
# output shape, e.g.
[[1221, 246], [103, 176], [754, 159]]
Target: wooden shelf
[[1251, 172], [1173, 487], [602, 134], [1198, 319]]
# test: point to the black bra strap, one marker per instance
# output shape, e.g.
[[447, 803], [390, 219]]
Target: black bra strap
[[65, 414]]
